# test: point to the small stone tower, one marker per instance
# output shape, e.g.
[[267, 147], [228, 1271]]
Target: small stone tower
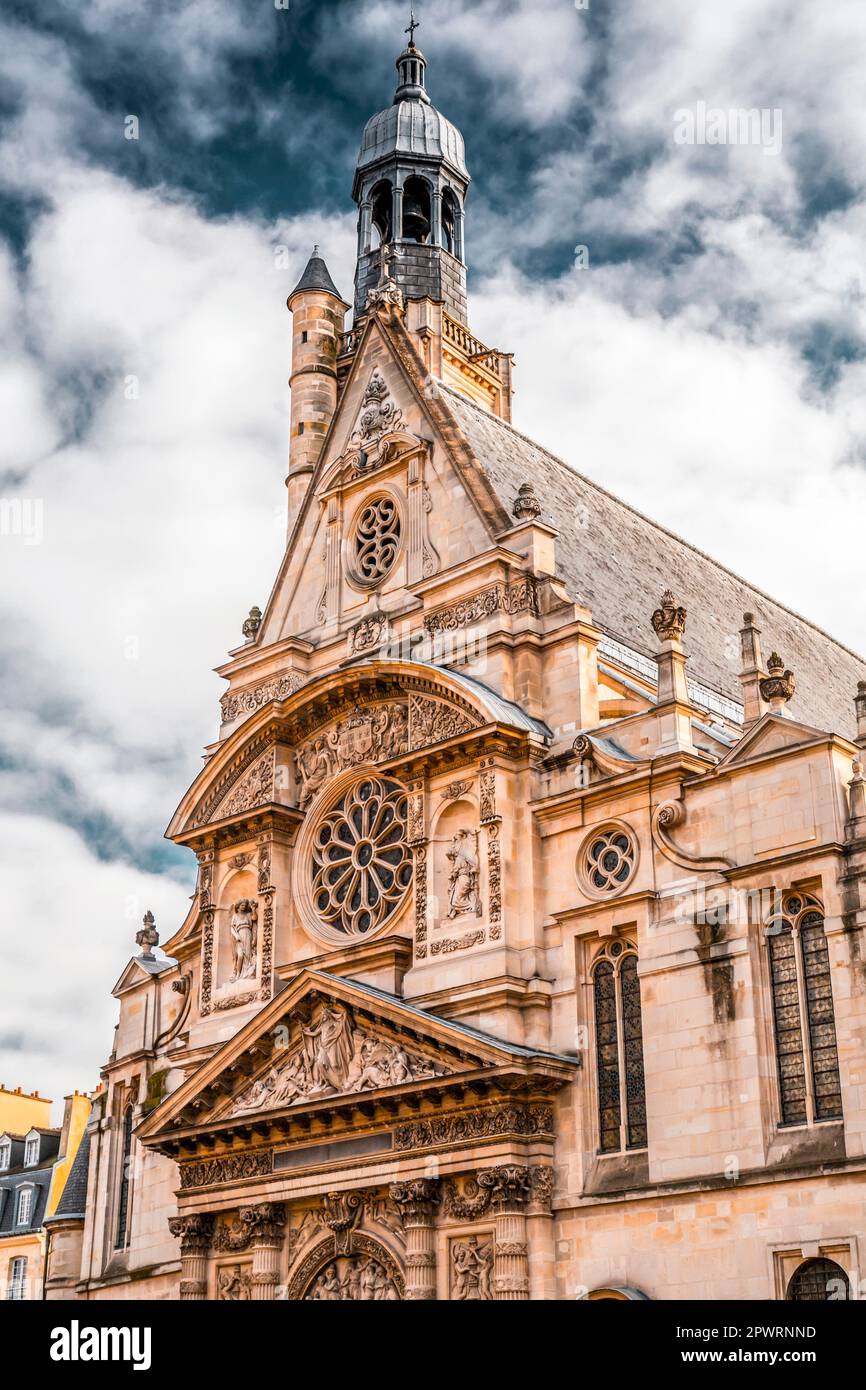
[[410, 186], [318, 316]]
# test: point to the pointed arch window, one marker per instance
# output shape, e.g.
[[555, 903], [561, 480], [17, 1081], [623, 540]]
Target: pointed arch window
[[619, 1050], [803, 1016], [125, 1179]]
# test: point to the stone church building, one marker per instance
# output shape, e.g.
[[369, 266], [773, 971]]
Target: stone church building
[[527, 954]]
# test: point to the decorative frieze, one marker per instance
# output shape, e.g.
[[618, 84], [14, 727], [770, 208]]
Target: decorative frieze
[[250, 698], [234, 1167], [519, 597], [467, 1125], [447, 945]]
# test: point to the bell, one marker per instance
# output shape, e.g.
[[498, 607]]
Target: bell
[[416, 221]]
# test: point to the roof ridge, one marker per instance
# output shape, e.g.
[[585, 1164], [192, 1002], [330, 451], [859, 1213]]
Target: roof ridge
[[695, 549]]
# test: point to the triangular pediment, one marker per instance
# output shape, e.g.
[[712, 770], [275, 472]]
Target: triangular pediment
[[771, 734], [328, 1041], [394, 435]]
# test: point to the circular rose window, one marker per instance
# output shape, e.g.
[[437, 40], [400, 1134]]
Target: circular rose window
[[361, 866], [376, 540], [608, 860]]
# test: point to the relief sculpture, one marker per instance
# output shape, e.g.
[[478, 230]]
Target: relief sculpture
[[366, 736], [335, 1058]]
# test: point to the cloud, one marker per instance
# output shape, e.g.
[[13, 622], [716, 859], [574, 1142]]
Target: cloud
[[709, 365], [70, 923]]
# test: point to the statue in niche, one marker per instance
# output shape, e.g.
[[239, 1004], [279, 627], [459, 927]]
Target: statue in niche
[[243, 929], [471, 1268], [233, 1285], [463, 893]]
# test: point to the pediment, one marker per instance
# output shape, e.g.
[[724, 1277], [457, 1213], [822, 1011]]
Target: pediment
[[393, 432], [771, 734], [273, 763], [329, 1041]]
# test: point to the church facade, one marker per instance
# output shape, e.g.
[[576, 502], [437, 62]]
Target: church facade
[[526, 959]]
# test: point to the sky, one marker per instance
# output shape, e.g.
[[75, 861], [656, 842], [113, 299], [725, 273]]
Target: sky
[[687, 316]]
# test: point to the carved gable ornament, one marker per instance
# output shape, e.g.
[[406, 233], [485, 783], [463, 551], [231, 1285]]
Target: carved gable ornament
[[378, 419]]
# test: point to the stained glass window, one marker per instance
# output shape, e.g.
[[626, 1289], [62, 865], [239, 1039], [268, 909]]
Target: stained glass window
[[619, 1052], [805, 1031], [125, 1163]]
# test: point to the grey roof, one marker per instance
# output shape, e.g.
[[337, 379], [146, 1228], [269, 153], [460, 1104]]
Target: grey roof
[[38, 1178], [316, 276], [73, 1199], [413, 128], [617, 562], [516, 1049]]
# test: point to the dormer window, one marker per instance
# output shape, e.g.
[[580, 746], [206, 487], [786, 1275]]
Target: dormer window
[[31, 1151], [5, 1153], [24, 1206]]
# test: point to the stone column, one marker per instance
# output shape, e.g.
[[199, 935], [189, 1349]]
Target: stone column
[[417, 1201], [194, 1233], [509, 1190], [539, 1233], [267, 1222]]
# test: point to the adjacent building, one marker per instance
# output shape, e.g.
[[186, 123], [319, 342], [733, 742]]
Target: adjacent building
[[35, 1160], [526, 958]]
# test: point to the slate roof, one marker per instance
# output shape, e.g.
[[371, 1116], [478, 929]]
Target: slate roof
[[73, 1198], [316, 276], [619, 563], [406, 1005], [40, 1179]]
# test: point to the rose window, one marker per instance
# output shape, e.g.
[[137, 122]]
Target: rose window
[[377, 539], [361, 864], [609, 860]]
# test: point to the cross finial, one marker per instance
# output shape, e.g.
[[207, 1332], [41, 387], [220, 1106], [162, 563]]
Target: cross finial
[[412, 26]]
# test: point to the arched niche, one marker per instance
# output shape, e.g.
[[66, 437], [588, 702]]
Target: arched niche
[[361, 1269], [457, 886]]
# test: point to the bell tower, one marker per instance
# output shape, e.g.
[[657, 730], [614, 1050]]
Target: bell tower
[[410, 185]]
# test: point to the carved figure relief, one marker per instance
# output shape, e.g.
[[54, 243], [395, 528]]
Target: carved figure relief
[[335, 1057], [234, 1284], [255, 788], [432, 721], [368, 735], [351, 1278], [463, 895], [244, 939], [472, 1268]]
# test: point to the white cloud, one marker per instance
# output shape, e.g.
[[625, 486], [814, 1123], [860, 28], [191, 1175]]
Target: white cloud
[[70, 923]]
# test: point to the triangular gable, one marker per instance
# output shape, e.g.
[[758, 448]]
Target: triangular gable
[[772, 733], [396, 344], [137, 970], [325, 1039]]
